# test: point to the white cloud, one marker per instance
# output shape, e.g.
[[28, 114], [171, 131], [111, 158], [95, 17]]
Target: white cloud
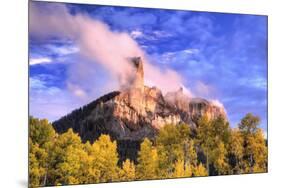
[[63, 50], [259, 83], [52, 105], [53, 90], [61, 53], [44, 99], [167, 57], [40, 60], [136, 34], [36, 83], [256, 82], [100, 44], [179, 56], [217, 103], [187, 91], [191, 51], [153, 35], [204, 90], [40, 86], [76, 90], [161, 34]]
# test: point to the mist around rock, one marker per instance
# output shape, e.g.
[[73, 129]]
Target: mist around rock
[[98, 42]]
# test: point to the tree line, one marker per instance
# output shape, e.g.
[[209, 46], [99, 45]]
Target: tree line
[[212, 148]]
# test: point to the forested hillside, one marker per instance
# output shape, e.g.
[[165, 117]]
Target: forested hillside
[[212, 148]]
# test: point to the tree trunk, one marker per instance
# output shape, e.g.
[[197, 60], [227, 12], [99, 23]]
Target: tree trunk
[[252, 163], [185, 155], [207, 162]]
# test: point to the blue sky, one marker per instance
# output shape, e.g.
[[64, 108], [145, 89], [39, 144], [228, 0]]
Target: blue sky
[[219, 56]]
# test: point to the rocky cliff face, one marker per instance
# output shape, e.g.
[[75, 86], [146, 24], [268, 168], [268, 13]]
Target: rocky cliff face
[[191, 109], [134, 113]]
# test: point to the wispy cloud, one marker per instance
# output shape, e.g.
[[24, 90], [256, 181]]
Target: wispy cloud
[[36, 83], [149, 35], [40, 60], [176, 57], [191, 51], [258, 82], [48, 101], [76, 90], [109, 48], [136, 34], [161, 34], [219, 56], [204, 90], [62, 50], [40, 86]]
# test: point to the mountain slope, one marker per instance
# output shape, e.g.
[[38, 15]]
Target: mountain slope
[[135, 112]]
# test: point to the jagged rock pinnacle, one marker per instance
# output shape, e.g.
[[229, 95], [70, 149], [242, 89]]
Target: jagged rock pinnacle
[[138, 80]]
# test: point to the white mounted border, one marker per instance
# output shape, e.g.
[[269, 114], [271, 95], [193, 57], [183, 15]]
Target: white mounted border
[[14, 98]]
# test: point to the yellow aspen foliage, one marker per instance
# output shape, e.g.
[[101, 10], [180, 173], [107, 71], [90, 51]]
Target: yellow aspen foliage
[[172, 144], [179, 169], [200, 170], [67, 158], [220, 162], [41, 132], [236, 149], [191, 155], [37, 165], [147, 161], [188, 170], [105, 159], [62, 159], [41, 139], [182, 170], [205, 138], [127, 173], [257, 148]]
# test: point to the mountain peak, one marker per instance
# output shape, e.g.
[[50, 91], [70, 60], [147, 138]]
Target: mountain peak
[[135, 78], [136, 112]]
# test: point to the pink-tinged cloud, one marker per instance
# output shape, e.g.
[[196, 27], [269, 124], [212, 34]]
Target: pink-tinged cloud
[[98, 42]]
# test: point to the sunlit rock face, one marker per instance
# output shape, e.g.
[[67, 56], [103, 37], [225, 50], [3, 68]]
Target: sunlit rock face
[[199, 107], [138, 79], [135, 112], [178, 99], [191, 109]]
